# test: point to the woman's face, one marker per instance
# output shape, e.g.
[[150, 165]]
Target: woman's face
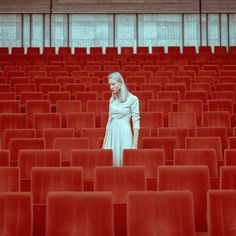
[[114, 86]]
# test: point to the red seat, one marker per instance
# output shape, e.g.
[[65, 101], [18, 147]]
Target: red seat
[[143, 96], [49, 87], [55, 96], [224, 95], [84, 97], [19, 88], [174, 96], [4, 158], [42, 121], [179, 87], [36, 157], [156, 213], [12, 121], [149, 158], [94, 135], [16, 144], [228, 177], [205, 143], [218, 202], [216, 119], [179, 133], [182, 119], [197, 95], [221, 105], [199, 157], [232, 142], [83, 214], [119, 182], [88, 160], [67, 144], [154, 87], [46, 179], [9, 179], [192, 106], [16, 214], [49, 134], [166, 143], [36, 106], [230, 157], [33, 51], [8, 134], [9, 106], [188, 178]]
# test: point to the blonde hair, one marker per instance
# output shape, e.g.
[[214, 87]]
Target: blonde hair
[[124, 92]]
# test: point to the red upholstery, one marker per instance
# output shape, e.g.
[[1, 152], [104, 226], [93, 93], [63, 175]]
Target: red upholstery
[[8, 134], [232, 142], [228, 177], [216, 118], [218, 202], [77, 213], [4, 158], [149, 158], [9, 106], [67, 144], [166, 143], [16, 144], [49, 134], [16, 214], [205, 143], [188, 178], [88, 160], [35, 157], [221, 105], [230, 157], [46, 179], [157, 213], [9, 179], [182, 119]]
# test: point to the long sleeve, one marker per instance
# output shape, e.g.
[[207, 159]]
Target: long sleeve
[[135, 113]]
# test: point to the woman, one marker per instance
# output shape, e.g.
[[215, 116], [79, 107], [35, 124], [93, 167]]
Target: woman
[[123, 105]]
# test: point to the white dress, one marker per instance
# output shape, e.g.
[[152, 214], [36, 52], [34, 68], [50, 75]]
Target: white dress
[[118, 130]]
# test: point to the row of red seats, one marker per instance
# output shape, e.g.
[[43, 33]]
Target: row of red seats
[[118, 181]]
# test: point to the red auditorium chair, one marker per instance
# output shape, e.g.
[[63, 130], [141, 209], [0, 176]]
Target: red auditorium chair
[[64, 50], [219, 201], [17, 50], [179, 133], [188, 178], [202, 85], [16, 144], [8, 134], [221, 105], [49, 50], [143, 96], [143, 132], [152, 120], [119, 182], [79, 120], [35, 157], [46, 179], [63, 80], [44, 82], [216, 119], [228, 177], [230, 157], [97, 107], [83, 214], [84, 97], [49, 134], [4, 158], [220, 50], [221, 132], [189, 49], [42, 121], [158, 49], [80, 50], [142, 50], [4, 50], [192, 106], [225, 87], [26, 96], [49, 87], [66, 106], [55, 96], [232, 142], [12, 121], [179, 87], [9, 179], [67, 144], [9, 106], [197, 95], [224, 95], [36, 106], [94, 135], [154, 87], [5, 88], [205, 143], [149, 158], [7, 96], [88, 160], [174, 96], [19, 88], [166, 143], [199, 157], [182, 120], [33, 51], [16, 214], [147, 216]]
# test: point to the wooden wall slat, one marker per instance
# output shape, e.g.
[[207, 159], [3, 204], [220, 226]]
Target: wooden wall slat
[[25, 6], [218, 6]]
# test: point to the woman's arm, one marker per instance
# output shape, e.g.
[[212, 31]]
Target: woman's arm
[[135, 140]]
